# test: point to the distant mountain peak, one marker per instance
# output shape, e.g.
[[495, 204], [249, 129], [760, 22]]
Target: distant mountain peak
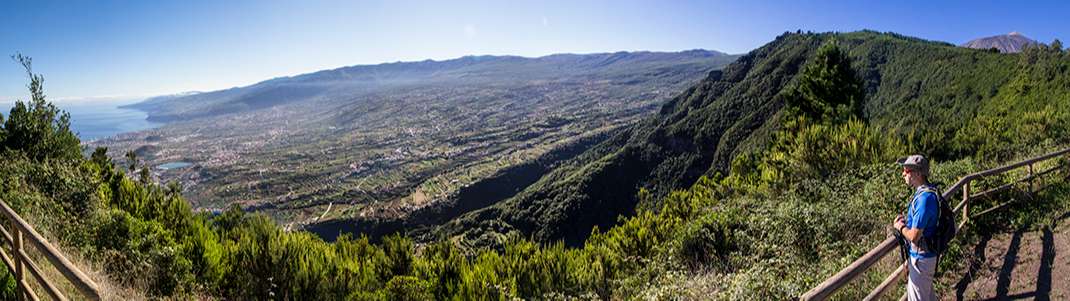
[[1009, 43]]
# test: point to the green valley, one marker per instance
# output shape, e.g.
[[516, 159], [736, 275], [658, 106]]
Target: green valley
[[377, 143]]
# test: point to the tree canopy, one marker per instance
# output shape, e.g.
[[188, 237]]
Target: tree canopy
[[38, 128]]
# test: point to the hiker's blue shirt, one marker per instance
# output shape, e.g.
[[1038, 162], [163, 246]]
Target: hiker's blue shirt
[[922, 214]]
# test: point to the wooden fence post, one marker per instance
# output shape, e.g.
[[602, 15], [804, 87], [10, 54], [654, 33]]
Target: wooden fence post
[[966, 202], [19, 273], [1030, 179]]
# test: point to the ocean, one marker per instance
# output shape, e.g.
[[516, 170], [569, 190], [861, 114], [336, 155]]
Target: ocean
[[95, 119]]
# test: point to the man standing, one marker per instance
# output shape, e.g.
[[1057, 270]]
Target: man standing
[[920, 221]]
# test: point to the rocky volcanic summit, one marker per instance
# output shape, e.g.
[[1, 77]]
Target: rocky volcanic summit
[[1008, 43]]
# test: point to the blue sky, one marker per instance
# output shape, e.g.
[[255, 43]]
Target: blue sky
[[141, 48]]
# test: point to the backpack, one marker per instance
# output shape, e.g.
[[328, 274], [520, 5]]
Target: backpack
[[945, 224]]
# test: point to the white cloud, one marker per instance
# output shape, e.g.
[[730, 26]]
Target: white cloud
[[545, 21]]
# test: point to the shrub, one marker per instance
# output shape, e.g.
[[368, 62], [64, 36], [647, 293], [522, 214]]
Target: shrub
[[707, 241], [408, 288]]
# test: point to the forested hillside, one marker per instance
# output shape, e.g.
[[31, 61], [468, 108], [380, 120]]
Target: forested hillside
[[763, 179], [934, 98]]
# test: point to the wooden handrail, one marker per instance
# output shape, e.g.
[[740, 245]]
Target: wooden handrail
[[20, 259], [999, 170], [852, 271], [862, 264], [887, 283]]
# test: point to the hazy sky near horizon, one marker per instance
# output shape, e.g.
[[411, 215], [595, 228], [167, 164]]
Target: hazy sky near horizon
[[143, 48]]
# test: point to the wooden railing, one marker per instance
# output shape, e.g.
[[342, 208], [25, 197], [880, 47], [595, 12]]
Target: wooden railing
[[862, 264], [19, 262]]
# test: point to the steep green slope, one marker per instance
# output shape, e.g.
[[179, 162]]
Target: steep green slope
[[927, 93]]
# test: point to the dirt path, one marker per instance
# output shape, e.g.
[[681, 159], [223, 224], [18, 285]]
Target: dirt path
[[325, 211], [1021, 265]]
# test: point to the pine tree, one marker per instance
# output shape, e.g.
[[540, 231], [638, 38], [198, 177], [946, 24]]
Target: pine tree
[[2, 131], [131, 160], [828, 89], [38, 128], [824, 103]]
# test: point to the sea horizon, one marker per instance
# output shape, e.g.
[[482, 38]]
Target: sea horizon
[[98, 119]]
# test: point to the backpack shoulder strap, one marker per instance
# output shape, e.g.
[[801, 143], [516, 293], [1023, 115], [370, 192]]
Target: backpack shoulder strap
[[921, 189], [934, 190], [930, 188]]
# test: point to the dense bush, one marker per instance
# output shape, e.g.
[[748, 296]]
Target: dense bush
[[707, 241]]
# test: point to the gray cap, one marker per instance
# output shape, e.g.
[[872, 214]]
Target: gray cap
[[915, 162]]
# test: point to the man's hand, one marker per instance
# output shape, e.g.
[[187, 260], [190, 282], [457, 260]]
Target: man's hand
[[911, 234]]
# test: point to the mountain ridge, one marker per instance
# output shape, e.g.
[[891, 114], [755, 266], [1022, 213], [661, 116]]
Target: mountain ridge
[[363, 77], [1013, 42]]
